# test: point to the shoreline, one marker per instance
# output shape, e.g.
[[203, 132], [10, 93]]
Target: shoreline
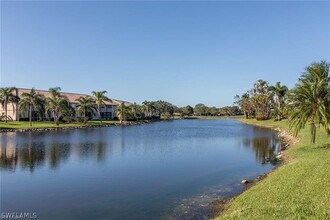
[[286, 138], [57, 128], [53, 127]]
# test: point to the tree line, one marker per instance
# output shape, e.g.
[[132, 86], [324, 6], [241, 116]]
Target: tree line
[[57, 105], [307, 103]]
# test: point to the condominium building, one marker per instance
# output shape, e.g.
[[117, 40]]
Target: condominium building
[[108, 111]]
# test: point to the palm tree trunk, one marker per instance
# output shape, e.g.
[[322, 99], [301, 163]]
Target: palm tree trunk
[[278, 109], [30, 115], [54, 116], [57, 119], [313, 133], [100, 114], [6, 112]]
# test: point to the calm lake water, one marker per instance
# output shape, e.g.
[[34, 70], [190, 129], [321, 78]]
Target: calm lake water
[[163, 170]]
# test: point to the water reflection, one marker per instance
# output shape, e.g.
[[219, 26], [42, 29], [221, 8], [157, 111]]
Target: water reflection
[[170, 169], [8, 157], [265, 146], [40, 147], [33, 153]]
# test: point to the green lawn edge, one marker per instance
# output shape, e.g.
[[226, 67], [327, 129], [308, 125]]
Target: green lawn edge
[[24, 125], [299, 189]]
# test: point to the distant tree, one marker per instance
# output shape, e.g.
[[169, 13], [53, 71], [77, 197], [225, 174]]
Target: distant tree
[[186, 111], [229, 110], [135, 111], [56, 103], [280, 92], [148, 108], [261, 100], [7, 96], [100, 99], [213, 111], [32, 101], [245, 103], [166, 115], [310, 99], [200, 109], [85, 105], [164, 109]]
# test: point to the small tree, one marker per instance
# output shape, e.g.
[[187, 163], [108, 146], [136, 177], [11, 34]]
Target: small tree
[[56, 103], [135, 111], [122, 112], [7, 96], [100, 99], [148, 108], [32, 101], [280, 92], [245, 103], [85, 105]]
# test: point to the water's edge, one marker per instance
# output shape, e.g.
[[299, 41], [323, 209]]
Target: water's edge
[[286, 138]]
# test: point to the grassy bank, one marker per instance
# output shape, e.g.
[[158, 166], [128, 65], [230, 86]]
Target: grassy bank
[[14, 125], [300, 189]]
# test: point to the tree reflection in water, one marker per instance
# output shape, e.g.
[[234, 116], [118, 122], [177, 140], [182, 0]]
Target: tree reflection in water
[[265, 147], [33, 152]]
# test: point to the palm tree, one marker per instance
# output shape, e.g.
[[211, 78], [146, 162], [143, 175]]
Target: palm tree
[[310, 99], [135, 111], [280, 92], [85, 105], [148, 108], [245, 103], [100, 99], [32, 101], [68, 113], [56, 103], [6, 97], [122, 112]]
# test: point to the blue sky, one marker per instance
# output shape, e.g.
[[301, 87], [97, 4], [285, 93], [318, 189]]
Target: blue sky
[[181, 52]]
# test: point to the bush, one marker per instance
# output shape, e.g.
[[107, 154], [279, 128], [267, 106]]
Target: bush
[[67, 119], [81, 119]]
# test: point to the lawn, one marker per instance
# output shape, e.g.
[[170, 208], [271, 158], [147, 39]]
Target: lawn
[[300, 189], [49, 124]]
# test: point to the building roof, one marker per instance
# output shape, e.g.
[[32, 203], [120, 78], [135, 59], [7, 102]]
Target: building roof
[[72, 97]]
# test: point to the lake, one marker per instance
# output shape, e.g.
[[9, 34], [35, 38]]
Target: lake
[[163, 170]]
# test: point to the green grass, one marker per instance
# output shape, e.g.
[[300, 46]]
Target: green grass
[[47, 124], [300, 189]]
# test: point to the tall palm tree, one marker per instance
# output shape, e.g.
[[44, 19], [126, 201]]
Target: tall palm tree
[[310, 99], [100, 98], [56, 103], [122, 112], [7, 96], [85, 105], [32, 101], [280, 92]]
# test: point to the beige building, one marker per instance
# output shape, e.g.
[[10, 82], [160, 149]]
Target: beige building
[[107, 112]]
